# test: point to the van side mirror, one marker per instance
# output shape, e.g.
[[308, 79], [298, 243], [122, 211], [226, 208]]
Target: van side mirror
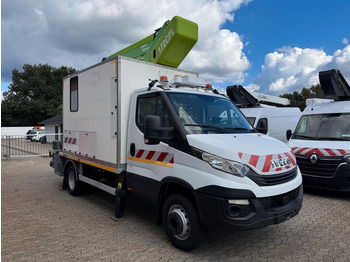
[[289, 134], [262, 126], [262, 130], [154, 132]]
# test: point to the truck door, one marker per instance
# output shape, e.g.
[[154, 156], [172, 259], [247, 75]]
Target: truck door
[[147, 165]]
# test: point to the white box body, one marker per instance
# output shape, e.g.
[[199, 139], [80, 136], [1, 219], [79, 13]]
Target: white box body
[[98, 129]]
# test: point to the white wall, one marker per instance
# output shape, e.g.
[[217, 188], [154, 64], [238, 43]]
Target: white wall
[[50, 133], [15, 131]]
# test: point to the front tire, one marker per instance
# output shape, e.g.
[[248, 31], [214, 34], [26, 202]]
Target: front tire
[[181, 223], [74, 186]]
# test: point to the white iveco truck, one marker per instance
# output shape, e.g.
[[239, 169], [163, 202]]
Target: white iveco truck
[[134, 128]]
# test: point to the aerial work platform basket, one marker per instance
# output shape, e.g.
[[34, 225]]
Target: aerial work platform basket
[[169, 45], [334, 84]]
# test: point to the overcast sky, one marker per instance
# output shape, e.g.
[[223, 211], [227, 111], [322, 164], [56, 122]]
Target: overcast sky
[[271, 46]]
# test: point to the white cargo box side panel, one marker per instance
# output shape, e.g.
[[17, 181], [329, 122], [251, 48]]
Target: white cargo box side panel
[[136, 74], [94, 123], [100, 125]]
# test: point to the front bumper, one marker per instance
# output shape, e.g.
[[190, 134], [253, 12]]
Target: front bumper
[[217, 212]]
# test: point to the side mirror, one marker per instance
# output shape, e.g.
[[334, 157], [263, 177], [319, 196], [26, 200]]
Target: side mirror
[[289, 134], [262, 130], [154, 133], [262, 125]]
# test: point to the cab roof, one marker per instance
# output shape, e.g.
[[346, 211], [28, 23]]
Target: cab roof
[[328, 108]]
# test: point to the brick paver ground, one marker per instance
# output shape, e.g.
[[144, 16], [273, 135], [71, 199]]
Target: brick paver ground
[[39, 222]]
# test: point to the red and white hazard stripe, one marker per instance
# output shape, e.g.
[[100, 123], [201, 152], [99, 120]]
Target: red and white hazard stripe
[[269, 163], [319, 151], [150, 155], [70, 140]]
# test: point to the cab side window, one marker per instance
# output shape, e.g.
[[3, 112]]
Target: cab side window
[[151, 104]]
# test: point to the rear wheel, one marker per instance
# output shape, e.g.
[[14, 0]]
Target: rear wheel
[[73, 184], [181, 223]]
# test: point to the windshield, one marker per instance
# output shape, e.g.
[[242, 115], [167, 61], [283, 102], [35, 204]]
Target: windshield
[[324, 127], [203, 114]]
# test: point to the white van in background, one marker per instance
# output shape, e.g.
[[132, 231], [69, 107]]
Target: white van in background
[[273, 121], [270, 120]]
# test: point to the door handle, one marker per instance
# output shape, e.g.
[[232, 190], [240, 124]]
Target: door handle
[[132, 149]]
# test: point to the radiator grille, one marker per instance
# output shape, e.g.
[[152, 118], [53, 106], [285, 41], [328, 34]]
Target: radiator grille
[[324, 167], [271, 180]]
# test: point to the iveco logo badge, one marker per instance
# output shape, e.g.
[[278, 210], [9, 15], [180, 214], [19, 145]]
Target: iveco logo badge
[[313, 158], [275, 163]]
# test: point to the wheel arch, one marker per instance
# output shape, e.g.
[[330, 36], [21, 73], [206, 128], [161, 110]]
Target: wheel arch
[[171, 186], [67, 164]]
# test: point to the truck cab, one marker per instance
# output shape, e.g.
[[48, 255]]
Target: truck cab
[[189, 141], [321, 141]]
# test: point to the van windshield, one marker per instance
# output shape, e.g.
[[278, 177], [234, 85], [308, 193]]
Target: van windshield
[[324, 127], [203, 114]]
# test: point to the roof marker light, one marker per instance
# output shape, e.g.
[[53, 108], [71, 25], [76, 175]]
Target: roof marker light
[[163, 79], [209, 87]]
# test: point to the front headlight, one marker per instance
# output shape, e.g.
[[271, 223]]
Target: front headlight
[[225, 165]]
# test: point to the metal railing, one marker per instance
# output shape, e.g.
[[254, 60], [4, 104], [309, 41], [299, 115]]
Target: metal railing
[[27, 145]]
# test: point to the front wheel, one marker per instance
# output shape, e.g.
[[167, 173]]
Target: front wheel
[[181, 223]]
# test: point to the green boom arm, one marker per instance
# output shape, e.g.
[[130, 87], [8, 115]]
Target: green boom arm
[[169, 45]]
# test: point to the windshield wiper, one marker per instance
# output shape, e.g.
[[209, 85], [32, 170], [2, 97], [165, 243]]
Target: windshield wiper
[[209, 126], [242, 129], [308, 137]]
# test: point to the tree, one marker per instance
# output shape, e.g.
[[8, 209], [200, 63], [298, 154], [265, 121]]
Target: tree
[[299, 99], [34, 95]]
